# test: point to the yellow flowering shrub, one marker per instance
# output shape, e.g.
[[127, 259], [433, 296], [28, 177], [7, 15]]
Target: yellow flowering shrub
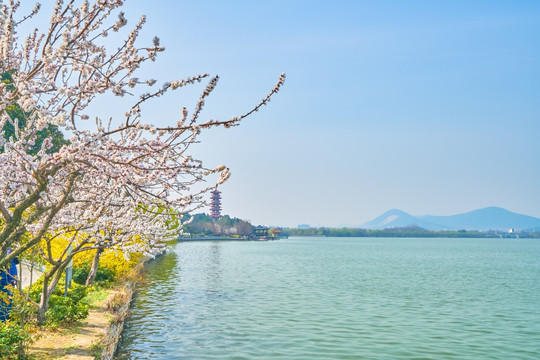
[[113, 260]]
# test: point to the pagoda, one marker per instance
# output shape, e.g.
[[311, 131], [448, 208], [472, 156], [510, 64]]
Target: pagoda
[[215, 207]]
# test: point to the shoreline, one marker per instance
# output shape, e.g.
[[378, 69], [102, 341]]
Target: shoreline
[[97, 336], [119, 307], [218, 238], [210, 238]]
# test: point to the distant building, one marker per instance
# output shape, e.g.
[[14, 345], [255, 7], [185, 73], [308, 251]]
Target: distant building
[[261, 231], [303, 226], [215, 207], [276, 233]]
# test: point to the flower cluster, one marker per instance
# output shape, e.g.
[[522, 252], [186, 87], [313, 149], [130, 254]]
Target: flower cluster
[[114, 181]]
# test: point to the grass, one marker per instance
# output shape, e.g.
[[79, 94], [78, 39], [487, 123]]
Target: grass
[[96, 296], [96, 349], [77, 340]]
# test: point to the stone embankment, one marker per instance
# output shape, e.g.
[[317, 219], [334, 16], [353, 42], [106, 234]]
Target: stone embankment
[[118, 304]]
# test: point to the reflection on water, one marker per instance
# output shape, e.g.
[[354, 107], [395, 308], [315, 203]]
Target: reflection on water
[[329, 298], [214, 267]]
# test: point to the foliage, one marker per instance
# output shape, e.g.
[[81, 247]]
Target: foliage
[[11, 336], [63, 311], [19, 117], [204, 224], [112, 181], [111, 264], [96, 295], [104, 276], [96, 348], [117, 263], [409, 231], [66, 310], [20, 330], [109, 186]]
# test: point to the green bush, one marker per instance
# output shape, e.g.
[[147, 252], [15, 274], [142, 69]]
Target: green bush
[[104, 275], [80, 273], [76, 292], [11, 335], [65, 310]]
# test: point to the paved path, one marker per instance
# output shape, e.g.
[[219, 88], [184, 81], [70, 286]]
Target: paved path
[[26, 275]]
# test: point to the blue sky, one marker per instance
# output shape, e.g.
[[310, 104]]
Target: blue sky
[[427, 106]]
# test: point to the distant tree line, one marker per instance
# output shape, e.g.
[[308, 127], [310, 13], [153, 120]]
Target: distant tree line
[[203, 224], [409, 231]]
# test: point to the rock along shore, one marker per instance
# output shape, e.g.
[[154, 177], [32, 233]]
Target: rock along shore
[[118, 305]]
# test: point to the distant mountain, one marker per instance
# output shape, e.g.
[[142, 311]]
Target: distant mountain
[[490, 218], [396, 218]]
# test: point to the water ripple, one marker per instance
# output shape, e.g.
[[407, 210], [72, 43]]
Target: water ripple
[[340, 299]]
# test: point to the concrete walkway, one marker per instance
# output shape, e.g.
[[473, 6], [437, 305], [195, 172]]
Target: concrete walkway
[[27, 274]]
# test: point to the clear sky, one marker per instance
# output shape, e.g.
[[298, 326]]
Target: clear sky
[[427, 106]]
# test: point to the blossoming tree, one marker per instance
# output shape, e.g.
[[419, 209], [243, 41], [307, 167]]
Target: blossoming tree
[[113, 181]]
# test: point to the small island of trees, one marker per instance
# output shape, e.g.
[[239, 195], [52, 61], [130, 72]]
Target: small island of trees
[[204, 225]]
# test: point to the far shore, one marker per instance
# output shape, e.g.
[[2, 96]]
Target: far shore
[[207, 238], [407, 232]]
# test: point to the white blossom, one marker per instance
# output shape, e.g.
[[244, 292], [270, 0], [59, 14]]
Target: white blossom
[[107, 181]]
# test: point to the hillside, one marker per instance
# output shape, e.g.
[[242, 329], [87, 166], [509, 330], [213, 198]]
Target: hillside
[[398, 219], [490, 218]]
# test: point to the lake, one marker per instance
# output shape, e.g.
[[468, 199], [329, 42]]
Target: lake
[[340, 298]]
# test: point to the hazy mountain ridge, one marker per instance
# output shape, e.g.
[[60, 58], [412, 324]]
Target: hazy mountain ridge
[[490, 218]]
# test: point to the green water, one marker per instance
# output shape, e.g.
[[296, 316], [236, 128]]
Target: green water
[[340, 298]]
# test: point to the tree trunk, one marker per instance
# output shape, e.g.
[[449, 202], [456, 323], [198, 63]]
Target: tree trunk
[[53, 276], [44, 301], [94, 269]]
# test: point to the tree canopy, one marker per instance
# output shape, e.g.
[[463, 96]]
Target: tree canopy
[[19, 118], [225, 225], [117, 185]]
